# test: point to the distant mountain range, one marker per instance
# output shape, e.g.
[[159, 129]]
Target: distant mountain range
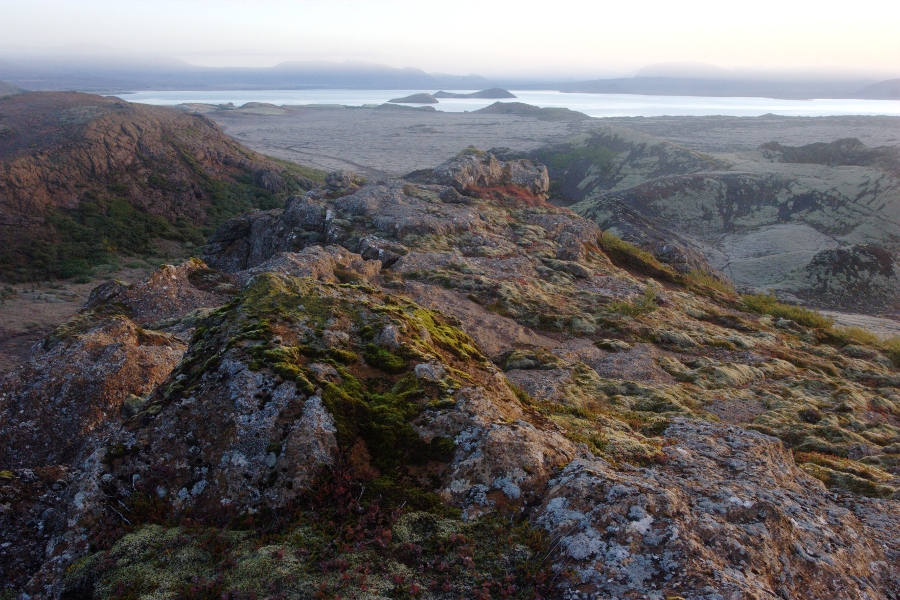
[[696, 86], [98, 73], [101, 72]]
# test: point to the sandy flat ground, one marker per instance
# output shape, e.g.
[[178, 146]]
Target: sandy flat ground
[[883, 328], [389, 141], [398, 141]]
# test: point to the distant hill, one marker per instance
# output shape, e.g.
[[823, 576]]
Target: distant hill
[[720, 87], [415, 99], [8, 89], [102, 73], [527, 110], [886, 90], [491, 94], [85, 179]]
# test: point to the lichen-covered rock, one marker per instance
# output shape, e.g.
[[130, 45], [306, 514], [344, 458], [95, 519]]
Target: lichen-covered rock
[[171, 292], [728, 509], [250, 421]]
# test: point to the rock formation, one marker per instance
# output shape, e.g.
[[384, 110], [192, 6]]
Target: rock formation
[[444, 388]]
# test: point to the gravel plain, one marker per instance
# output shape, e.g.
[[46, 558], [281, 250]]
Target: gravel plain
[[399, 140]]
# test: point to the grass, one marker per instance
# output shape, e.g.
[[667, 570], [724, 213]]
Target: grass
[[858, 335], [701, 281], [644, 305], [633, 259], [767, 304]]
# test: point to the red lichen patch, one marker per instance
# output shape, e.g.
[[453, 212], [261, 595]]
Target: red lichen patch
[[511, 196]]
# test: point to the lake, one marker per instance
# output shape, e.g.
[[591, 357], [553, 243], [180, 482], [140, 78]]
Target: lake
[[595, 105]]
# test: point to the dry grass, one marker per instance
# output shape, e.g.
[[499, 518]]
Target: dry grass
[[766, 304]]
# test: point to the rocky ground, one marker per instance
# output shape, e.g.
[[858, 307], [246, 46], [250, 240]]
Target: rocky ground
[[446, 387], [815, 229], [30, 311], [365, 139]]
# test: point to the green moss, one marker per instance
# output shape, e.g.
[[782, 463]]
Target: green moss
[[447, 336], [383, 420], [384, 359]]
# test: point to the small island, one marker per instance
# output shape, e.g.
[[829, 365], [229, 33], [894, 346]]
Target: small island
[[415, 99], [491, 94]]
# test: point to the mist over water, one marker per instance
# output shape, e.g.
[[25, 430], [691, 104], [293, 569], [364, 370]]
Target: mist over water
[[594, 105]]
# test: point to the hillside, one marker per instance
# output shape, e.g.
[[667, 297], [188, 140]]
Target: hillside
[[8, 89], [817, 223], [447, 388], [85, 179]]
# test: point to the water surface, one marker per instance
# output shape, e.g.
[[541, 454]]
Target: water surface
[[595, 105]]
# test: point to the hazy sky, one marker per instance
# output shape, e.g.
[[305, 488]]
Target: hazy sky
[[489, 37]]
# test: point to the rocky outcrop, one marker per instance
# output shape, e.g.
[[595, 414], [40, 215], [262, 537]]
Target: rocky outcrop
[[405, 396], [76, 383], [476, 169], [700, 522]]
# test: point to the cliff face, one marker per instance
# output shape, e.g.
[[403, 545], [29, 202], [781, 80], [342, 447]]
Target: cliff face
[[72, 165], [447, 389]]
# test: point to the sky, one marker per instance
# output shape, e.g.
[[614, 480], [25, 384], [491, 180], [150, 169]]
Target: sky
[[549, 38]]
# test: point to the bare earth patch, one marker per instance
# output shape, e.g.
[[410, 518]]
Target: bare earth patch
[[32, 310]]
